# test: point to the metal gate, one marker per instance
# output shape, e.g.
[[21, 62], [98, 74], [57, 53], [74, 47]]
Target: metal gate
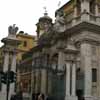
[[58, 87]]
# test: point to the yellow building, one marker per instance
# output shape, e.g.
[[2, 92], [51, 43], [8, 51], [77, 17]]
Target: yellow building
[[27, 42]]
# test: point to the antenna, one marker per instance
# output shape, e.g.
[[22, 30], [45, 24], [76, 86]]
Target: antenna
[[45, 10], [59, 3]]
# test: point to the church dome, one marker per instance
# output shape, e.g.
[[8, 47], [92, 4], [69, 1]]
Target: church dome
[[45, 18]]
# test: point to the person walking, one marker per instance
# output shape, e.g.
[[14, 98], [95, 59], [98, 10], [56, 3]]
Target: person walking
[[41, 97]]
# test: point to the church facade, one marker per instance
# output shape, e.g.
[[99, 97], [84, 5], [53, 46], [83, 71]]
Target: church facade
[[65, 64]]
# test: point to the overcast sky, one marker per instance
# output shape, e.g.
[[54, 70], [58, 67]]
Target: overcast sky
[[25, 14]]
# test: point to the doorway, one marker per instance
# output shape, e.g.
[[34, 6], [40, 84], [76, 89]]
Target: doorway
[[79, 94]]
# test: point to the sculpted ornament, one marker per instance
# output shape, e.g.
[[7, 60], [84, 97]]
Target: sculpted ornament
[[59, 25], [12, 30]]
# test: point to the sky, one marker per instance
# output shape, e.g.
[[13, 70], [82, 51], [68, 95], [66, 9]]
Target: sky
[[25, 14]]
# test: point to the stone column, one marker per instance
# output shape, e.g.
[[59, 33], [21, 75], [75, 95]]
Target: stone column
[[60, 60], [98, 73], [75, 15], [44, 81], [73, 87], [6, 61], [32, 83], [50, 83], [18, 81], [5, 68], [70, 94], [85, 5], [97, 13], [37, 81], [96, 10], [67, 80], [74, 79], [85, 8], [87, 65], [13, 68]]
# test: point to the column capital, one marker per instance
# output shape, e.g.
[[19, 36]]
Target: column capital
[[84, 0], [86, 61], [88, 41]]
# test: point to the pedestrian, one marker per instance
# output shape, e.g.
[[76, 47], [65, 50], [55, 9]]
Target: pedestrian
[[19, 96], [36, 96], [12, 97], [41, 97], [33, 96]]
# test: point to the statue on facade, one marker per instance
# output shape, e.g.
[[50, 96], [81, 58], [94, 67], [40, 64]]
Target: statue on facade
[[12, 29], [59, 22], [60, 18]]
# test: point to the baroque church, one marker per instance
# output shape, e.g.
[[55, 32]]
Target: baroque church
[[65, 64]]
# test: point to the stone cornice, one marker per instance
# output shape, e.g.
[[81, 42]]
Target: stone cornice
[[87, 40], [83, 26], [11, 41], [77, 29], [87, 26], [10, 50]]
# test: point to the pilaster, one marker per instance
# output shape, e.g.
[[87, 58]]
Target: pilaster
[[44, 81], [6, 61], [97, 13], [67, 80], [32, 84], [13, 68], [37, 81], [71, 53], [50, 83], [85, 5], [75, 14], [13, 65], [85, 10], [70, 81], [74, 79], [18, 81], [98, 73], [60, 60]]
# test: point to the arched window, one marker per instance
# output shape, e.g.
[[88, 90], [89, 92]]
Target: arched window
[[92, 6], [55, 61], [78, 7]]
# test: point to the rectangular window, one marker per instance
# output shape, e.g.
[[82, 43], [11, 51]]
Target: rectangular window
[[0, 84], [94, 75], [25, 44]]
